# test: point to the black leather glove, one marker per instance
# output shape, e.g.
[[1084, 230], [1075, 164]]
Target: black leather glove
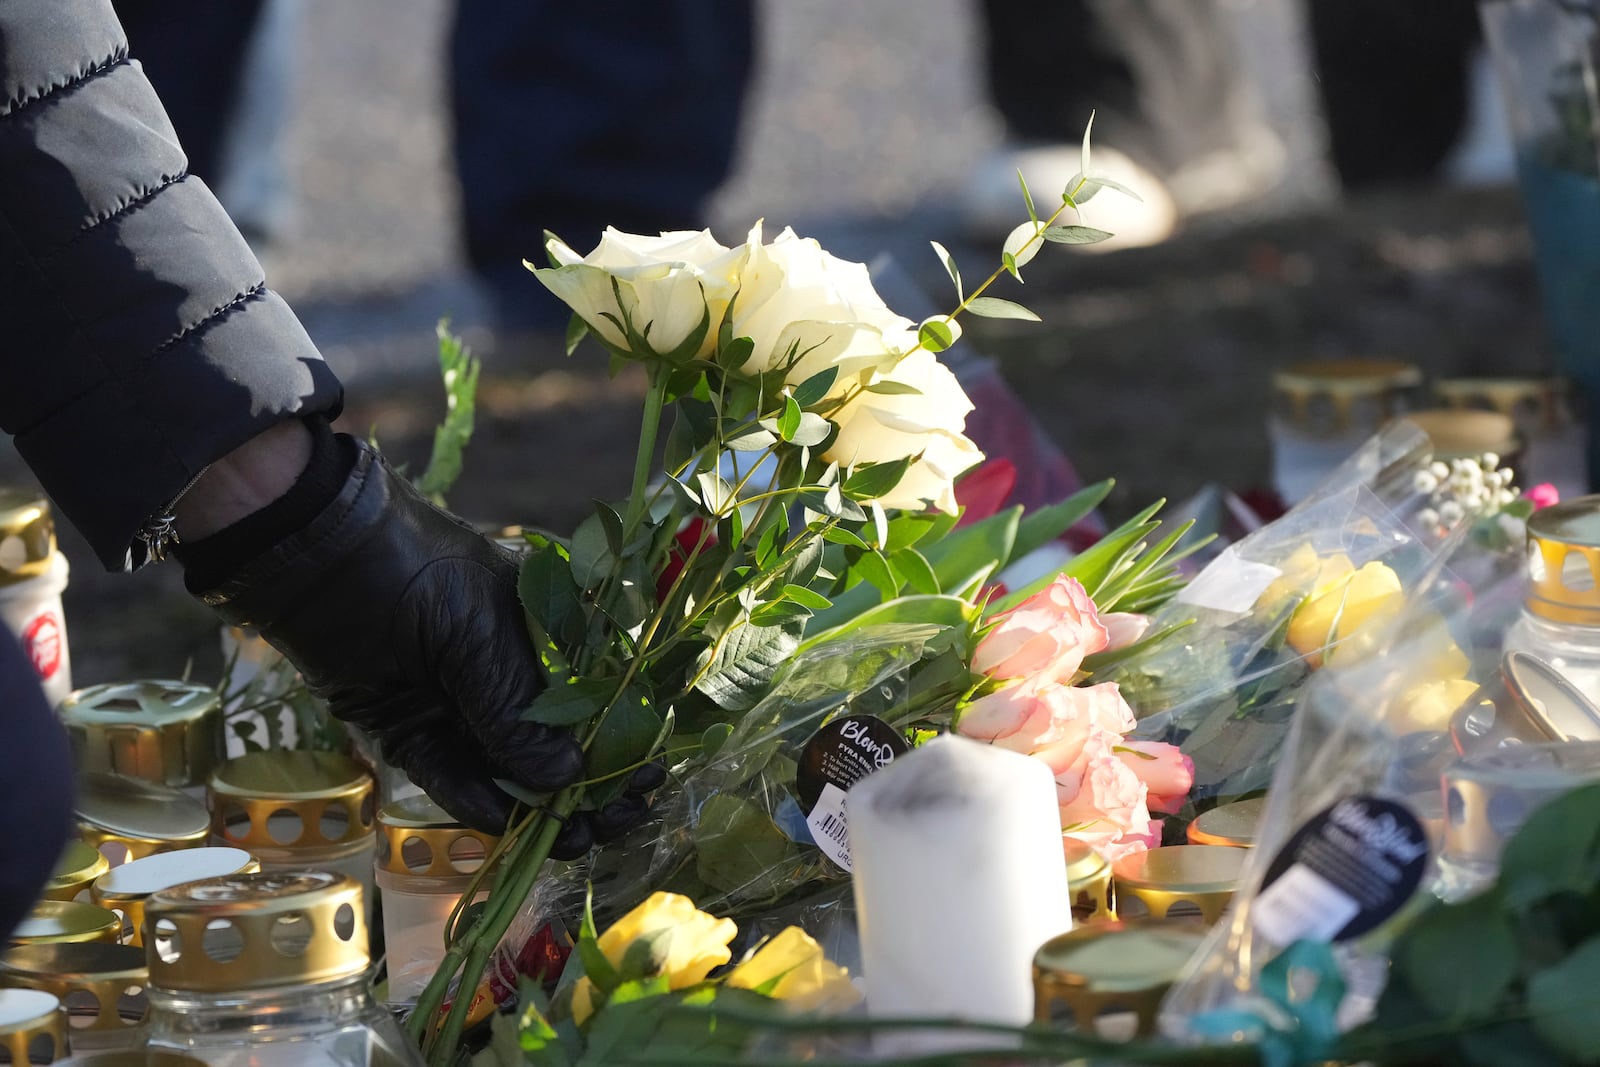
[[406, 621]]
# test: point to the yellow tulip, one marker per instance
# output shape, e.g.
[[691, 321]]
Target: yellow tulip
[[692, 944], [1342, 603], [805, 977]]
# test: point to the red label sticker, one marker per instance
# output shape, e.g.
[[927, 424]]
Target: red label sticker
[[42, 639]]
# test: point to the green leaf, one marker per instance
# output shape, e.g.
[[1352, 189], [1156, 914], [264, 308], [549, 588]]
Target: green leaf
[[1075, 235], [886, 387], [459, 371], [611, 524], [815, 388], [1460, 959], [812, 431], [1042, 525], [966, 557], [1556, 851], [577, 330], [873, 480], [874, 569], [992, 307], [806, 597], [789, 421], [591, 553], [713, 738], [680, 447], [735, 670], [915, 569], [595, 964], [520, 792], [625, 736], [838, 535], [752, 437], [736, 353], [945, 612], [1027, 198], [880, 525], [935, 334], [780, 613], [907, 529], [575, 700], [1009, 261], [1562, 1002], [949, 261], [738, 847]]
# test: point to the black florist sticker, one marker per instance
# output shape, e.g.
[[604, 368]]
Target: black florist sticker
[[837, 757], [1343, 873]]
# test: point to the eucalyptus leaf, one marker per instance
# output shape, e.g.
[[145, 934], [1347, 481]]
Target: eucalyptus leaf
[[815, 388], [873, 480], [807, 598], [735, 353], [992, 307], [936, 334], [811, 430], [1075, 235], [753, 437], [949, 261], [887, 387], [789, 421], [1027, 198]]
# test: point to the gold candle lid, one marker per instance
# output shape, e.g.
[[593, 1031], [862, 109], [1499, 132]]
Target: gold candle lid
[[1487, 797], [125, 888], [114, 975], [139, 817], [256, 931], [32, 1023], [1459, 433], [55, 922], [80, 864], [1325, 395], [166, 732], [1083, 862], [27, 536], [1534, 403], [418, 837], [1119, 956], [1185, 869], [1564, 561], [1229, 824], [1527, 703], [330, 796]]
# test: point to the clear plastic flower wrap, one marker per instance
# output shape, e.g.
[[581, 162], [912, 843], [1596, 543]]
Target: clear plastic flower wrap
[[1314, 589]]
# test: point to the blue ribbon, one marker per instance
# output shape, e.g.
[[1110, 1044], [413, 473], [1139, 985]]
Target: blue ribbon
[[1313, 1028]]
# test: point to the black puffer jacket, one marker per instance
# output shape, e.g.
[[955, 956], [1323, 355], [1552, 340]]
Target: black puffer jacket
[[138, 339]]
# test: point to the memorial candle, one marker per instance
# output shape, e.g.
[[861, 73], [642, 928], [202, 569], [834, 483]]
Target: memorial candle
[[959, 878]]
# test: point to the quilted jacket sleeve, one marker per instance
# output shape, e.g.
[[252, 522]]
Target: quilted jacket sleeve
[[138, 339]]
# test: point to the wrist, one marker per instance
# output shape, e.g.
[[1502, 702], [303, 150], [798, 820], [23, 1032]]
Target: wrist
[[249, 478]]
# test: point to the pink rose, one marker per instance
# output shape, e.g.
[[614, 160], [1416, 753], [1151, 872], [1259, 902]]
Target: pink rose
[[1166, 772], [1044, 637], [1108, 810], [1046, 719], [1123, 628]]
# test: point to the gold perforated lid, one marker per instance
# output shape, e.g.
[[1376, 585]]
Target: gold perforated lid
[[1182, 868], [80, 864], [321, 799], [143, 817], [27, 536], [1330, 394], [106, 972], [1459, 433], [1120, 957], [1229, 824], [167, 732], [126, 888], [418, 837], [33, 1026], [256, 931], [1564, 561], [1083, 863], [54, 922], [1537, 404]]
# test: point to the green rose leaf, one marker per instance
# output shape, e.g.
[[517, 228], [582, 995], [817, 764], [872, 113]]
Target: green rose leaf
[[1562, 1001], [815, 388], [1460, 958], [1074, 235], [736, 353], [1557, 850], [713, 738], [591, 553], [738, 848], [992, 307], [545, 585], [625, 736], [735, 670], [573, 701]]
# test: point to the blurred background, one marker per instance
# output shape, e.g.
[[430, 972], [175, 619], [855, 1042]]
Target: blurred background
[[1322, 180]]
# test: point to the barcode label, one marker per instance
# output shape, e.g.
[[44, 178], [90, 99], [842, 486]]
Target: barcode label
[[829, 828], [1302, 904]]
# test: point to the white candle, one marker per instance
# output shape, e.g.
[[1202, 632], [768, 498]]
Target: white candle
[[959, 878]]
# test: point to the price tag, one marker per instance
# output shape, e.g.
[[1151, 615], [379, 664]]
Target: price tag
[[829, 827], [838, 756]]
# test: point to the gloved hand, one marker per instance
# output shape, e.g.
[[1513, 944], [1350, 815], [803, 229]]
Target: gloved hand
[[585, 829], [406, 621]]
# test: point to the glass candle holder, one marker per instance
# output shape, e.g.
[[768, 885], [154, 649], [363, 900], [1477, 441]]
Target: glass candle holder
[[59, 922], [293, 809], [426, 861], [33, 1026], [1560, 620], [267, 970], [1323, 411], [166, 732], [80, 864], [125, 888], [129, 819], [32, 576], [101, 986]]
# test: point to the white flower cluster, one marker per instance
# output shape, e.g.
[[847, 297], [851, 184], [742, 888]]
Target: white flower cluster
[[1463, 487]]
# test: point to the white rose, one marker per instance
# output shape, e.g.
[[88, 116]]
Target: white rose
[[881, 427], [795, 296], [666, 285]]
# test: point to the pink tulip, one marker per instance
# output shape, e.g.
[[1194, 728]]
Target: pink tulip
[[1165, 771], [1045, 637]]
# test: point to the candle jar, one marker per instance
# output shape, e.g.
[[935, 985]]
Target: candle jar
[[267, 970], [1461, 434], [33, 1026], [425, 863], [1111, 967], [1553, 437], [125, 888], [1088, 881], [1560, 619], [1324, 411], [101, 986], [1233, 824], [1176, 879], [128, 819], [292, 809], [32, 576], [60, 922], [166, 732], [80, 864], [1489, 796]]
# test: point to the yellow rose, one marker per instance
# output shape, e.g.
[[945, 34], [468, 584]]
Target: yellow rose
[[806, 978], [1342, 602], [690, 945], [1429, 706]]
